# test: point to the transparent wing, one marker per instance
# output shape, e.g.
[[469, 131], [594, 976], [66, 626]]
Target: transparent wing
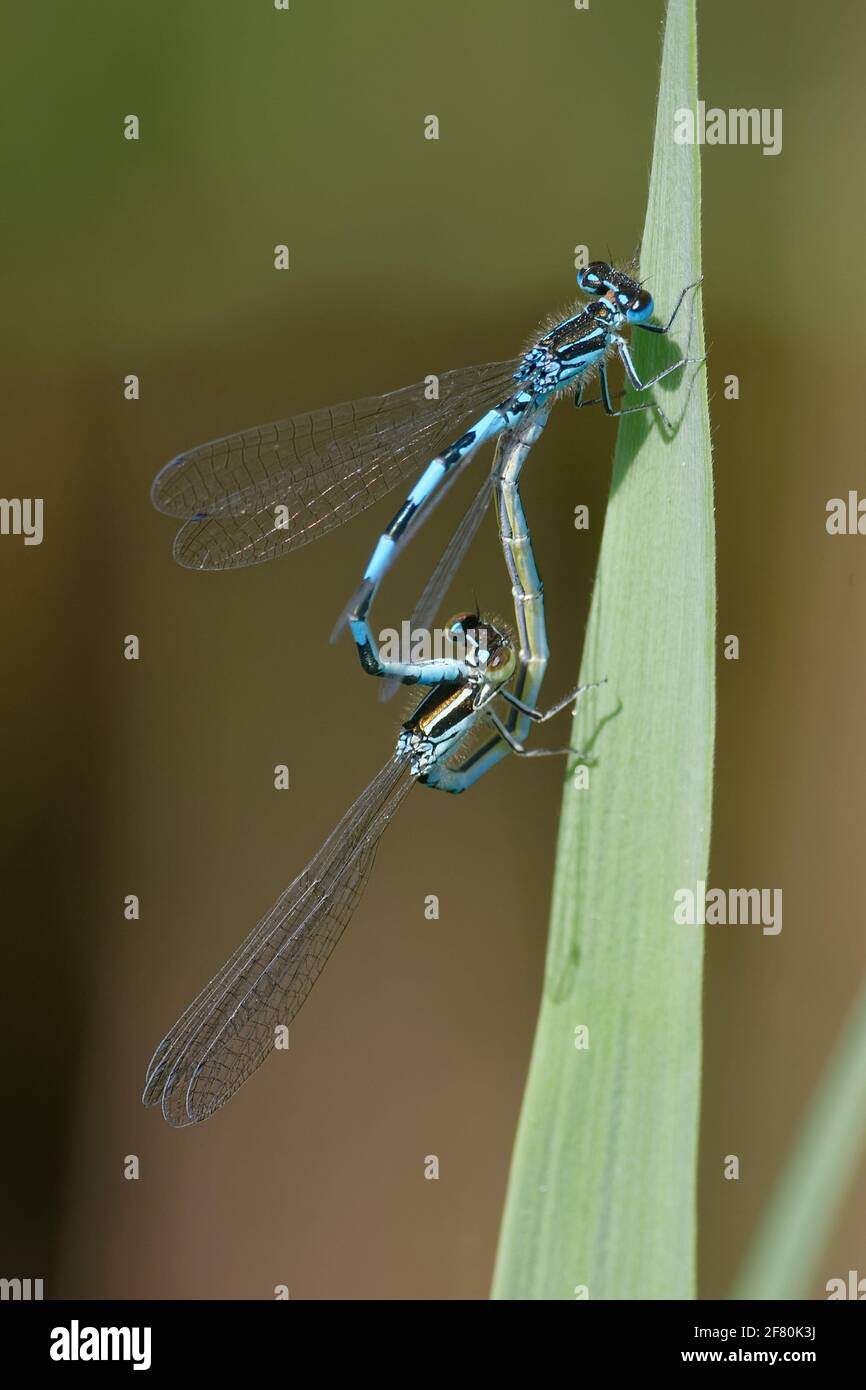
[[318, 469], [437, 586], [228, 1029]]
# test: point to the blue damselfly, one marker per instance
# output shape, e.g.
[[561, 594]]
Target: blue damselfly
[[229, 1029], [252, 496]]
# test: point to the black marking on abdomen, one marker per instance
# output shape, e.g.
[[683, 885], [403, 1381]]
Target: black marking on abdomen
[[361, 601], [370, 663], [398, 523], [454, 451]]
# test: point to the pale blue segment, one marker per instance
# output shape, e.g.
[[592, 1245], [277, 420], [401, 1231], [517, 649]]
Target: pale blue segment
[[491, 423], [426, 483], [380, 559], [437, 671]]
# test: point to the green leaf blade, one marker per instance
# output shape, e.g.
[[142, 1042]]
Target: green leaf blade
[[602, 1188]]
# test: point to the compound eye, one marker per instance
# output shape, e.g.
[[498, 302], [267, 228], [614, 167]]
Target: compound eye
[[463, 622], [499, 658], [641, 306]]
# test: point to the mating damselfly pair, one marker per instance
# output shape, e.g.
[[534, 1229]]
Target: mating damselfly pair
[[258, 494]]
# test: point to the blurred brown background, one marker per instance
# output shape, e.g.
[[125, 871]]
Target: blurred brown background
[[155, 777]]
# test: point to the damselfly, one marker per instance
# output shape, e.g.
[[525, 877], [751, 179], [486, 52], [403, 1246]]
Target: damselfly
[[229, 1029], [263, 492]]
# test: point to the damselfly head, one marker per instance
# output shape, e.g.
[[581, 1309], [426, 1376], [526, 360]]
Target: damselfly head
[[485, 646], [619, 289]]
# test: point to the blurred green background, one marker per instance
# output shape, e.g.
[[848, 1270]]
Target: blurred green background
[[407, 257]]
